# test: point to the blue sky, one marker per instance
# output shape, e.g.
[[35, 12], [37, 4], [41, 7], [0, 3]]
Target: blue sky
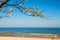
[[52, 11]]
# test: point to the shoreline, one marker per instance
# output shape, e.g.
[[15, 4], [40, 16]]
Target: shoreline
[[33, 35]]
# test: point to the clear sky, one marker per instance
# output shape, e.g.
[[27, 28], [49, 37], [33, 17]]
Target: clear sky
[[52, 11]]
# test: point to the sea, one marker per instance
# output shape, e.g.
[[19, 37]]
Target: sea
[[31, 32]]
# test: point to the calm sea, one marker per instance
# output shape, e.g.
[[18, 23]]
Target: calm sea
[[32, 30]]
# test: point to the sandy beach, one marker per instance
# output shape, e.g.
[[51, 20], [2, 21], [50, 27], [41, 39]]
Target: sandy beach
[[24, 38]]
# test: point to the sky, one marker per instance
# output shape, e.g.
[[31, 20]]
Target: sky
[[52, 11]]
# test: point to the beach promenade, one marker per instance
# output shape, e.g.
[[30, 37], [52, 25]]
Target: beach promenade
[[25, 38]]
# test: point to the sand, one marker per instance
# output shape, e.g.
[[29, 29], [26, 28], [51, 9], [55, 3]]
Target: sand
[[24, 38]]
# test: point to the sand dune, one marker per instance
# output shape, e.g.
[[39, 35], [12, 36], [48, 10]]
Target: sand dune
[[24, 38]]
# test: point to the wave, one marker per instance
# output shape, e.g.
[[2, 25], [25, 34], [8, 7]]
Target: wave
[[21, 34]]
